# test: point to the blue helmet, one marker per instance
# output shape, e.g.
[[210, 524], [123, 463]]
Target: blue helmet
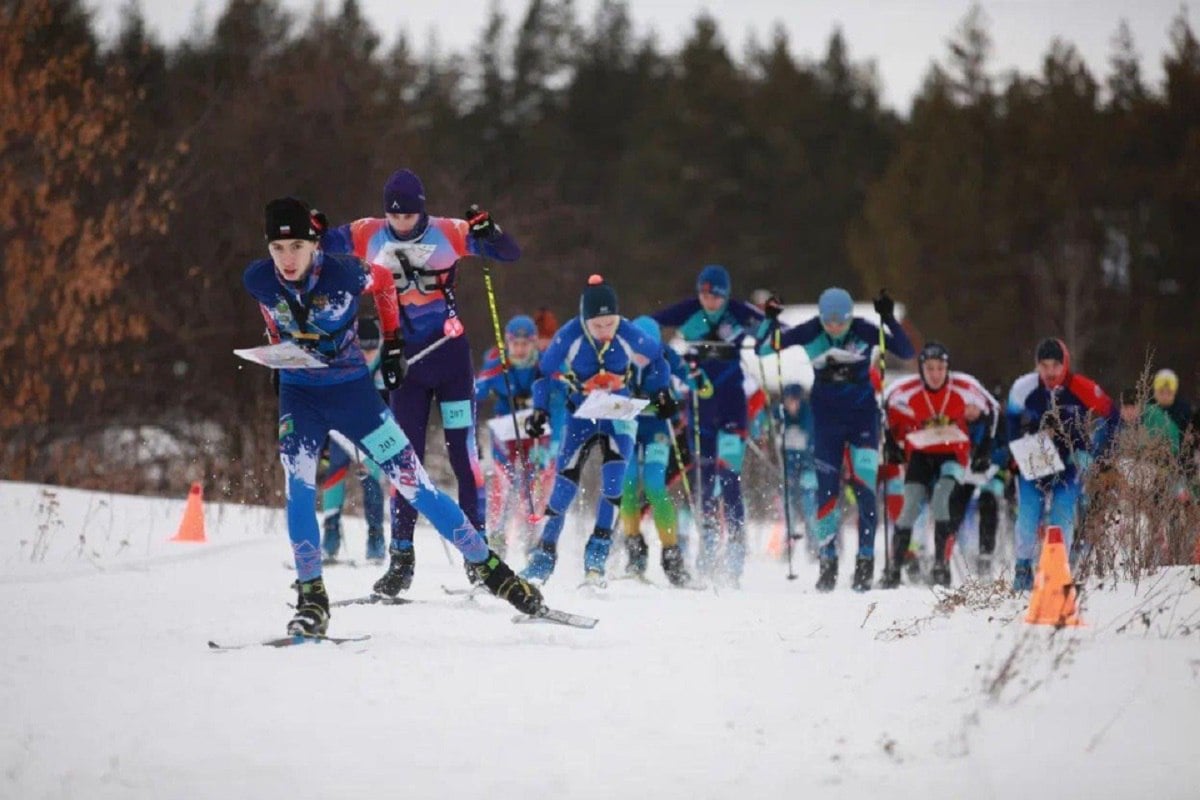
[[520, 327], [835, 305], [714, 279], [649, 327]]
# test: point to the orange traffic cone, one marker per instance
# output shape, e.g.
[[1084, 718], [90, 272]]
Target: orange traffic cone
[[1053, 598], [191, 529]]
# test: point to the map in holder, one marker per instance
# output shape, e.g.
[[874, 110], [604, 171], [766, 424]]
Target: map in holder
[[501, 428], [931, 437], [603, 405], [1036, 456], [285, 355]]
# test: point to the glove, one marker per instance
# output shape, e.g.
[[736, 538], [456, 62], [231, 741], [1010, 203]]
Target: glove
[[535, 423], [320, 222], [393, 366], [980, 461], [885, 306], [481, 224], [772, 308], [667, 406], [893, 453]]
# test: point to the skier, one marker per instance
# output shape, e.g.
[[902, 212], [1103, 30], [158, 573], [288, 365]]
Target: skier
[[512, 454], [844, 414], [714, 326], [927, 431], [795, 418], [647, 471], [597, 351], [422, 253], [1060, 405], [309, 297], [335, 465]]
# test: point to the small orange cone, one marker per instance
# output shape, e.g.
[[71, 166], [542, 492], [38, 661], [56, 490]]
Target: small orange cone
[[1053, 598], [191, 529]]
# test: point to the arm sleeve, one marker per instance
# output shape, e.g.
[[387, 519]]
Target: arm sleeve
[[675, 315], [802, 334], [503, 248], [381, 284], [894, 336], [548, 365]]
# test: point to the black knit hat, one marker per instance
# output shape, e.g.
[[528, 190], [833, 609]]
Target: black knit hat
[[1051, 349], [289, 218], [598, 299]]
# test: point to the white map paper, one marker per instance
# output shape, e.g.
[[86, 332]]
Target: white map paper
[[501, 428], [603, 405], [285, 355], [1036, 456], [930, 437]]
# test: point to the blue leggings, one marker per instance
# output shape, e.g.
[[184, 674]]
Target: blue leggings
[[333, 487], [859, 431], [616, 440], [1064, 499], [306, 415]]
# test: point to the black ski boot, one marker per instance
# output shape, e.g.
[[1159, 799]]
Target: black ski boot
[[940, 574], [312, 609], [636, 549], [507, 585], [673, 566], [891, 577], [828, 577], [983, 567], [399, 575], [864, 573]]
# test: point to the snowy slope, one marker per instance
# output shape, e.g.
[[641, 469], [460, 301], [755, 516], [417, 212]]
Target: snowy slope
[[108, 690]]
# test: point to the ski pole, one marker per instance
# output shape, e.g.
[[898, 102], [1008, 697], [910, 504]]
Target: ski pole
[[787, 500], [512, 405], [882, 483], [424, 351]]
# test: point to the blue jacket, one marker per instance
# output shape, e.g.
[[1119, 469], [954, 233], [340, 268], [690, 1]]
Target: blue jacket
[[328, 296], [842, 366], [730, 326], [583, 365]]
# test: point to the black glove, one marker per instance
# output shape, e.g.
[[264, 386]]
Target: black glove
[[320, 222], [885, 306], [535, 423], [481, 223], [981, 459], [772, 308], [393, 366], [667, 406], [893, 453], [521, 401]]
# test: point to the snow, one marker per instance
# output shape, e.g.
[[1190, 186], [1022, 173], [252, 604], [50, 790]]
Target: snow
[[109, 691]]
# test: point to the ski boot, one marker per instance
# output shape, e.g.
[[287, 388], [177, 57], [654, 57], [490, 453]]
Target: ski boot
[[400, 572], [635, 547], [891, 577], [864, 573], [912, 567], [376, 546], [541, 563], [828, 573], [472, 573], [312, 609], [594, 579], [331, 543], [673, 566], [595, 554], [939, 575], [1023, 575], [507, 585], [983, 567]]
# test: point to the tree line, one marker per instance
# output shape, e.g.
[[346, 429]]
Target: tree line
[[1001, 209]]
